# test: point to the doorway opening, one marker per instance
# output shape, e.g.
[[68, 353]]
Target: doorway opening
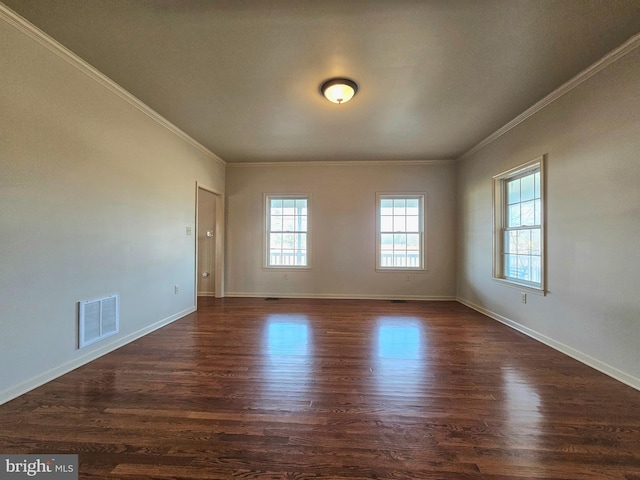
[[209, 243]]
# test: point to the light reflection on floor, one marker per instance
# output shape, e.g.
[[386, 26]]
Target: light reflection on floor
[[287, 335], [399, 338], [523, 414], [399, 360], [288, 360], [521, 397]]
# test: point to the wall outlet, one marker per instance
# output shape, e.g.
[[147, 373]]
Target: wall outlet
[[176, 289], [188, 230], [523, 297]]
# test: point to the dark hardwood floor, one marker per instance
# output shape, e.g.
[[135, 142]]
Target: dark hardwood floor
[[327, 389]]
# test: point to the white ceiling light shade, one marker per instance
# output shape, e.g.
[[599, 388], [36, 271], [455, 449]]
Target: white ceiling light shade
[[339, 90]]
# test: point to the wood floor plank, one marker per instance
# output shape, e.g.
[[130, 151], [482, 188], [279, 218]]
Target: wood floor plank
[[330, 389]]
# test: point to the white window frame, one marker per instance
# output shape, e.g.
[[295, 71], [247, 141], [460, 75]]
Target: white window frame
[[421, 197], [268, 197], [500, 222]]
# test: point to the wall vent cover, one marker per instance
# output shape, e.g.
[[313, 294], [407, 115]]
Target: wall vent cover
[[99, 319]]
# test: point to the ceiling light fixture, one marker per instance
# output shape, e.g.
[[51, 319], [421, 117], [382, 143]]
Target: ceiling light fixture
[[339, 90]]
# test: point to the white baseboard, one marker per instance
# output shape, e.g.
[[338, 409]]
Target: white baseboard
[[559, 346], [41, 379], [206, 294], [340, 296]]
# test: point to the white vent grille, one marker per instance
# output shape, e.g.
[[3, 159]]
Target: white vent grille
[[98, 319]]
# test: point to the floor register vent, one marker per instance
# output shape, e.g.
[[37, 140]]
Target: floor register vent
[[99, 319]]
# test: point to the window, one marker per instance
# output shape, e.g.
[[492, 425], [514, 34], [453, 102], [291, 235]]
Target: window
[[519, 225], [287, 219], [400, 225]]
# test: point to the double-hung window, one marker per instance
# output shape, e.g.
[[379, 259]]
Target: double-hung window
[[400, 225], [519, 225], [287, 231]]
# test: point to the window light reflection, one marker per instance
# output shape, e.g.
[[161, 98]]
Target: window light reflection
[[399, 338], [287, 370], [522, 400], [287, 335], [399, 365]]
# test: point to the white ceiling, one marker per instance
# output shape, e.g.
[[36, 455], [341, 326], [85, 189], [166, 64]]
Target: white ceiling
[[242, 76]]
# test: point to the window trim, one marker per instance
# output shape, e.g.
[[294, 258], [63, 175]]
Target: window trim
[[499, 224], [422, 197], [265, 230]]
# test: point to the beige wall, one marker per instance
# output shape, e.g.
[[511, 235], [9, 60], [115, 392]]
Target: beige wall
[[95, 199], [591, 137], [342, 230]]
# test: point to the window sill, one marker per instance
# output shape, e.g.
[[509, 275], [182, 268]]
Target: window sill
[[291, 268], [521, 286], [401, 270]]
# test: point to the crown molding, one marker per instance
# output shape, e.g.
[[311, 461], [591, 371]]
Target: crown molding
[[348, 163], [34, 33], [611, 57]]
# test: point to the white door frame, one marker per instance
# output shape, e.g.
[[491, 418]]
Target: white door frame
[[218, 273]]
